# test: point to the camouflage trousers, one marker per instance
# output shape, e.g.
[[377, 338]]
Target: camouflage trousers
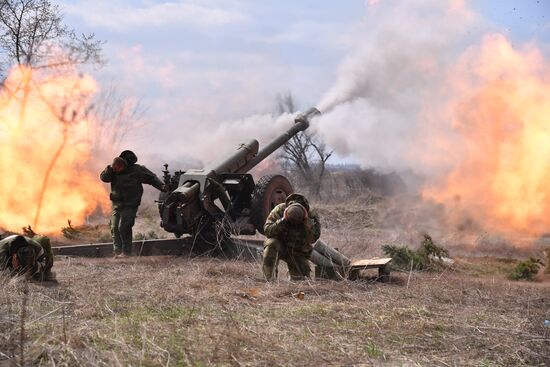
[[122, 221], [297, 261], [45, 242]]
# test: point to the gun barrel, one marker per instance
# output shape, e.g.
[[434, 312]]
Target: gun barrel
[[301, 123], [244, 154]]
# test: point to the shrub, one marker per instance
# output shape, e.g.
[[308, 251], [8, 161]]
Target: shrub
[[70, 232], [428, 257], [429, 249], [547, 253], [526, 270], [139, 236], [402, 257]]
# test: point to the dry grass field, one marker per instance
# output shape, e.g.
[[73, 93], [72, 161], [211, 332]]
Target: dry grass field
[[182, 311], [161, 311]]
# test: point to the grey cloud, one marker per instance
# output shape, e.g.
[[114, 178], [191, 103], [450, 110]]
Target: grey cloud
[[124, 16]]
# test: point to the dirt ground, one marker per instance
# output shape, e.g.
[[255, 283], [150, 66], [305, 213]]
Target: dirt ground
[[181, 311], [198, 312]]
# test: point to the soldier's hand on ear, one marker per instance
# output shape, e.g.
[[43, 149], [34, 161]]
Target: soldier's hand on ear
[[118, 164]]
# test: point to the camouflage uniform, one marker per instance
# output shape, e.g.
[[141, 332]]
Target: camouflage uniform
[[126, 193], [290, 243], [43, 255]]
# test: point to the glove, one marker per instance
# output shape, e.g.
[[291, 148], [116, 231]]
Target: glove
[[118, 164], [295, 214]]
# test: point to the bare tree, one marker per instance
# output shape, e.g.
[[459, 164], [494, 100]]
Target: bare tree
[[116, 118], [32, 33], [34, 37], [304, 153]]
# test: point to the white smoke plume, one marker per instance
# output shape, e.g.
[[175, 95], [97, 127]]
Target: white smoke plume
[[374, 111], [223, 139]]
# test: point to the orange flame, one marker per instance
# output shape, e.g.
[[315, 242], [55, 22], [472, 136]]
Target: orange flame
[[44, 150], [501, 110]]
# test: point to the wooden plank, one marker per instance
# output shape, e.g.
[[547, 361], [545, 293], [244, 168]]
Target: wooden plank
[[370, 263]]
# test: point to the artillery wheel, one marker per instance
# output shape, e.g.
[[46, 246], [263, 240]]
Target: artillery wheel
[[270, 191]]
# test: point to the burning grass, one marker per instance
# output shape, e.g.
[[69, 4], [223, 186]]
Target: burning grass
[[180, 311]]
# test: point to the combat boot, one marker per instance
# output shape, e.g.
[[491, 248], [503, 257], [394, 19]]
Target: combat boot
[[50, 276]]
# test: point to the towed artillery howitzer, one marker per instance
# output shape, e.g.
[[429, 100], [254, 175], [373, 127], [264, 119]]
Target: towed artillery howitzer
[[222, 199], [225, 193]]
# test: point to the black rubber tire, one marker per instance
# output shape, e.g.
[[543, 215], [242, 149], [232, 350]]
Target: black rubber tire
[[261, 203]]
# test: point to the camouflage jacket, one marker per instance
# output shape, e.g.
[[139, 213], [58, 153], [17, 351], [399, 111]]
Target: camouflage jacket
[[43, 262], [299, 237], [127, 186]]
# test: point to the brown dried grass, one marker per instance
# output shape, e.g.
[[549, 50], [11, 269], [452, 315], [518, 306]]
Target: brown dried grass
[[179, 311]]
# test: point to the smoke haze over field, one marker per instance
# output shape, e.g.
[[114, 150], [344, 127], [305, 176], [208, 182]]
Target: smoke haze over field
[[470, 113]]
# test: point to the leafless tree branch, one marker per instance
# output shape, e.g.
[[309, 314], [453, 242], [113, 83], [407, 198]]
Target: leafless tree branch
[[305, 152], [32, 33]]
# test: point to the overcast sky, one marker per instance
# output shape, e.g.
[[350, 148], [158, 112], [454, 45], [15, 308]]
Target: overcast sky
[[199, 62]]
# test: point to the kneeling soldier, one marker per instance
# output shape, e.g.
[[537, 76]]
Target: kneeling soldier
[[32, 257], [291, 230]]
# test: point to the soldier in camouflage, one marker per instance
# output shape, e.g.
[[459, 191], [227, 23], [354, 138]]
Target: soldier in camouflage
[[291, 230], [127, 179], [32, 257]]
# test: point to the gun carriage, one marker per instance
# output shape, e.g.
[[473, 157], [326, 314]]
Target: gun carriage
[[223, 195]]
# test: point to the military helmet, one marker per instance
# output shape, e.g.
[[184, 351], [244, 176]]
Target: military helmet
[[296, 213], [129, 156], [17, 243], [26, 257], [297, 198]]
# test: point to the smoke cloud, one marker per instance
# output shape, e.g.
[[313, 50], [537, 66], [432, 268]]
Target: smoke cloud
[[375, 109], [215, 142], [463, 109]]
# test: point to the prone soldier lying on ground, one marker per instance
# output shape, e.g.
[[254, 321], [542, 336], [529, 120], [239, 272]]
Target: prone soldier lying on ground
[[291, 230], [32, 257]]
